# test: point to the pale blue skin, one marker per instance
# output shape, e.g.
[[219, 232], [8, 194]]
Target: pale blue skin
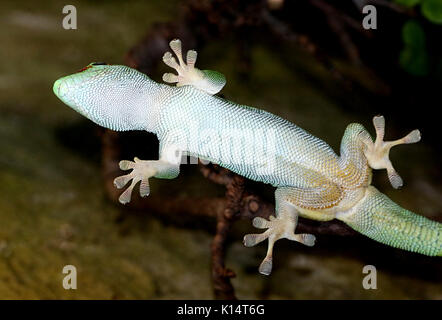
[[311, 180]]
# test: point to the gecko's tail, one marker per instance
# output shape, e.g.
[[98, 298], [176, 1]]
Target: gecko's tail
[[380, 219]]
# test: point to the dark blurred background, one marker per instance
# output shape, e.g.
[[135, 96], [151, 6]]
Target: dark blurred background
[[309, 61]]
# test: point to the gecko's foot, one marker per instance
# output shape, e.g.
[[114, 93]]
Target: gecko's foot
[[377, 153], [206, 80], [277, 228], [141, 171], [187, 73]]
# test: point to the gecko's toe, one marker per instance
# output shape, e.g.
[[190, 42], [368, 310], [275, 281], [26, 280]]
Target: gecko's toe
[[121, 181], [126, 164], [144, 188], [191, 58], [125, 196], [413, 137], [260, 223], [167, 56], [395, 179], [170, 78], [266, 266], [253, 239], [308, 239], [175, 45], [170, 61]]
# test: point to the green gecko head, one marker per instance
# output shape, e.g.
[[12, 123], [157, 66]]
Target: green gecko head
[[113, 96]]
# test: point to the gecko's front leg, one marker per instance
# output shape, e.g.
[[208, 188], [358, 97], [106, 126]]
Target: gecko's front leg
[[187, 74], [142, 170]]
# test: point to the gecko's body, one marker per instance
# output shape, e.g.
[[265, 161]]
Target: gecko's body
[[311, 180], [242, 138]]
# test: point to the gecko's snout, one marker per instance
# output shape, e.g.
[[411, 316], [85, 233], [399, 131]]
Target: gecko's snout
[[66, 90], [59, 88]]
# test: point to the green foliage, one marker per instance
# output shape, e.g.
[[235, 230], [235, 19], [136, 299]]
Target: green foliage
[[408, 3], [432, 10], [413, 34], [414, 57]]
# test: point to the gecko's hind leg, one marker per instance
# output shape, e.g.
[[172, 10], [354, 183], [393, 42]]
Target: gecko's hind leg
[[279, 227], [142, 170], [206, 80], [377, 153]]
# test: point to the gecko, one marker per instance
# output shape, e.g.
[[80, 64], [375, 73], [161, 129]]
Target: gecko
[[311, 180]]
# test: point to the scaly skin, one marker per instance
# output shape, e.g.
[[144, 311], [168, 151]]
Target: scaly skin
[[381, 219], [311, 180]]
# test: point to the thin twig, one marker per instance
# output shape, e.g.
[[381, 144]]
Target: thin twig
[[222, 286]]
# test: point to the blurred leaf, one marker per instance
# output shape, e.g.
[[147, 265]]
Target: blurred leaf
[[414, 61], [432, 10], [413, 57], [413, 35], [407, 3]]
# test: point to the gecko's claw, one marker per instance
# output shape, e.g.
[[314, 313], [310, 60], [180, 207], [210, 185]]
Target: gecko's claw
[[277, 228], [377, 153], [141, 171]]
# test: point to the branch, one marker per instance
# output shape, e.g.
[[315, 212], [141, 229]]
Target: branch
[[222, 286]]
